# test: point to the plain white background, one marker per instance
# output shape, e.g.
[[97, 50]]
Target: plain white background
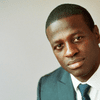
[[25, 53]]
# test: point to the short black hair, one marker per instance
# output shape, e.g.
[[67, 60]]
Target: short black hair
[[66, 10]]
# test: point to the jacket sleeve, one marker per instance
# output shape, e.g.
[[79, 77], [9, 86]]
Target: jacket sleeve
[[39, 90]]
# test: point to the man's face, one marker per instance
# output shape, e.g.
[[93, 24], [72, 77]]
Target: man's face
[[75, 45]]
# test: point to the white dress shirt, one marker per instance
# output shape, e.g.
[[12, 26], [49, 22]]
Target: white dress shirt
[[94, 82]]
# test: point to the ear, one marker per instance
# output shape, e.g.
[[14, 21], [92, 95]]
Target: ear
[[96, 32]]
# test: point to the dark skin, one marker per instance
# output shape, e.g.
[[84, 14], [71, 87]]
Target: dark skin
[[75, 46]]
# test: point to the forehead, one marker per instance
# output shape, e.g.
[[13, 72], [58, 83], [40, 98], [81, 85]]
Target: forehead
[[69, 23]]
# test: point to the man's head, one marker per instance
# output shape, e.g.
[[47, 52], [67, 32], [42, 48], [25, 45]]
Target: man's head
[[66, 10], [74, 42]]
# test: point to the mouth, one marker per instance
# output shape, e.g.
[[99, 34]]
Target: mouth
[[77, 63]]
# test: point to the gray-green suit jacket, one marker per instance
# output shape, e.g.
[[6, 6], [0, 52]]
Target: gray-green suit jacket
[[56, 86]]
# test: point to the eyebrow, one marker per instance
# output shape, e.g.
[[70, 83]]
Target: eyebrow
[[59, 40], [77, 32]]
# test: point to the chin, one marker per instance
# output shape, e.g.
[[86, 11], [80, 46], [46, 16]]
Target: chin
[[79, 73]]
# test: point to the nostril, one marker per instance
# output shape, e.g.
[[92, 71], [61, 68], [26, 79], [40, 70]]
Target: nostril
[[75, 54]]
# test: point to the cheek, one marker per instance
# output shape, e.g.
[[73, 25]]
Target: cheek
[[89, 49], [85, 47], [59, 57]]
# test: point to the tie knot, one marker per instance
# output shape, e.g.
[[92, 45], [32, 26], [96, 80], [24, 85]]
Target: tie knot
[[84, 88]]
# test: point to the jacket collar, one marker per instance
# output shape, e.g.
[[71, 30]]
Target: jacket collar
[[65, 87]]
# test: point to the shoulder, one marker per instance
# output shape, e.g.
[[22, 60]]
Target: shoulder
[[54, 76], [48, 81], [48, 84]]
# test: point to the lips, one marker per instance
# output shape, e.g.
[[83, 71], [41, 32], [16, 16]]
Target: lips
[[76, 63]]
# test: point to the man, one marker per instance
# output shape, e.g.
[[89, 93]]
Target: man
[[74, 39]]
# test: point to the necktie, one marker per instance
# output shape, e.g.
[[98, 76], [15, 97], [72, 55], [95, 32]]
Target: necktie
[[84, 88]]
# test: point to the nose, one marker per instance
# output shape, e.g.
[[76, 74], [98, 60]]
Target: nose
[[71, 50]]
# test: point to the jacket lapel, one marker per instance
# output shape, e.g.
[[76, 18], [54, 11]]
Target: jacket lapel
[[65, 87]]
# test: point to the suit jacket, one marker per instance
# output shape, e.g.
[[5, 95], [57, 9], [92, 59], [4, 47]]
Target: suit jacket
[[56, 86]]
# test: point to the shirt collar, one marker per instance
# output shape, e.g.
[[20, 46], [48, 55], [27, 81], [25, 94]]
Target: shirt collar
[[94, 81]]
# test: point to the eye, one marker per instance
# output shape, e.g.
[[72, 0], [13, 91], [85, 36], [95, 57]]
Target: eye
[[59, 46], [78, 38]]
